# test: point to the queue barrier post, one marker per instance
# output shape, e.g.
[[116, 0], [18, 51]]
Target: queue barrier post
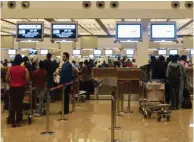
[[129, 98], [47, 132], [73, 95], [114, 110], [113, 115], [63, 100]]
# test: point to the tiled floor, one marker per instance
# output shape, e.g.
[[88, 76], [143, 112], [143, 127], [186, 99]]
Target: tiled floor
[[90, 123]]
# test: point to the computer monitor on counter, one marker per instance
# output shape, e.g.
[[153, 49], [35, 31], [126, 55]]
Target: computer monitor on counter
[[173, 52], [12, 52], [97, 52], [76, 52], [43, 51], [162, 52], [108, 52]]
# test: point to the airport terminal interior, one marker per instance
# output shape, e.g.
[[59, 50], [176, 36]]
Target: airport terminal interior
[[128, 78]]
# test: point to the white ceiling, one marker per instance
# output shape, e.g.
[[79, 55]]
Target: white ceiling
[[90, 26]]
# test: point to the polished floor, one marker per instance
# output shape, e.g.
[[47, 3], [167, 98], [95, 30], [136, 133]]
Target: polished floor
[[90, 123]]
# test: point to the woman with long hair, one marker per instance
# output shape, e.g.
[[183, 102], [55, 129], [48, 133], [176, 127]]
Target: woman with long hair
[[18, 77]]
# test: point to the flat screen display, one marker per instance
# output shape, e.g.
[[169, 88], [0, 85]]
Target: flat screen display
[[173, 52], [29, 31], [108, 52], [128, 31], [97, 52], [62, 31], [11, 52], [33, 52], [163, 31], [192, 52], [162, 52], [43, 51], [130, 52], [76, 52]]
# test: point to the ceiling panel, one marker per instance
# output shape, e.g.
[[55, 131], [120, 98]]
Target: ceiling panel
[[110, 24], [4, 33], [187, 30], [91, 25], [152, 20], [62, 19], [132, 19], [180, 22]]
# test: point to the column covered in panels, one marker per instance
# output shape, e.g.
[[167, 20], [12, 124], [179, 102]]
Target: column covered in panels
[[142, 50]]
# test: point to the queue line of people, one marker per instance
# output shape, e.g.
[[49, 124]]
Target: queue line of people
[[173, 71], [21, 73]]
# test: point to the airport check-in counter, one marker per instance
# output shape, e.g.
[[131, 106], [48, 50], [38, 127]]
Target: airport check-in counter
[[110, 76]]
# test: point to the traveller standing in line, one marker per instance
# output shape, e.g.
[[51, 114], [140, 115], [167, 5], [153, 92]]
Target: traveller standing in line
[[87, 83], [18, 77], [183, 61], [49, 66], [39, 77], [176, 76], [66, 76]]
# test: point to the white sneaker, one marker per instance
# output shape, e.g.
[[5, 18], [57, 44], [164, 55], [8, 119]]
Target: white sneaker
[[37, 114]]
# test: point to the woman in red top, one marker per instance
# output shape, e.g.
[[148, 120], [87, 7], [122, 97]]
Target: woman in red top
[[17, 76]]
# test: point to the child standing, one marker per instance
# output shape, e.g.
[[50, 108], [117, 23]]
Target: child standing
[[39, 77]]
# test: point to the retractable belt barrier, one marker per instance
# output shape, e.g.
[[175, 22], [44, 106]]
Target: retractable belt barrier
[[48, 132], [113, 115]]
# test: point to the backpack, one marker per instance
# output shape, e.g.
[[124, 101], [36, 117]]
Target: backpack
[[174, 75], [187, 104]]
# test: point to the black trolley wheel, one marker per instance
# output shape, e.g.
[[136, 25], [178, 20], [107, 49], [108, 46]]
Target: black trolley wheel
[[8, 120], [29, 119], [159, 118], [168, 118]]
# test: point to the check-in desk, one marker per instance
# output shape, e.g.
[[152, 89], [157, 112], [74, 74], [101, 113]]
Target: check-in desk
[[109, 77]]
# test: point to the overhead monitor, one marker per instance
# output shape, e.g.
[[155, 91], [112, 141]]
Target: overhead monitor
[[97, 52], [64, 31], [33, 52], [192, 51], [128, 31], [108, 52], [162, 52], [44, 51], [29, 31], [76, 52], [173, 52], [129, 52], [12, 52], [163, 31]]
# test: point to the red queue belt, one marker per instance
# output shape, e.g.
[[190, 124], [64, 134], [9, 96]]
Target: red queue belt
[[60, 86]]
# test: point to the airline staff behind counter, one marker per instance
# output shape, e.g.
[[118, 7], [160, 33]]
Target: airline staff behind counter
[[66, 76]]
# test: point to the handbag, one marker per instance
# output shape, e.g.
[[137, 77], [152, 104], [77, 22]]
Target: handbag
[[187, 104], [186, 92]]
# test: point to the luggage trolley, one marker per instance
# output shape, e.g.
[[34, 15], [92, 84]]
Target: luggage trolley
[[27, 105], [155, 101], [153, 93]]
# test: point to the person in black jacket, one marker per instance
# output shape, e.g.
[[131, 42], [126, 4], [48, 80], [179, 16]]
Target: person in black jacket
[[50, 68]]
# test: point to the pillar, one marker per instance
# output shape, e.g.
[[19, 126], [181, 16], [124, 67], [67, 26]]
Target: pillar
[[142, 50]]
